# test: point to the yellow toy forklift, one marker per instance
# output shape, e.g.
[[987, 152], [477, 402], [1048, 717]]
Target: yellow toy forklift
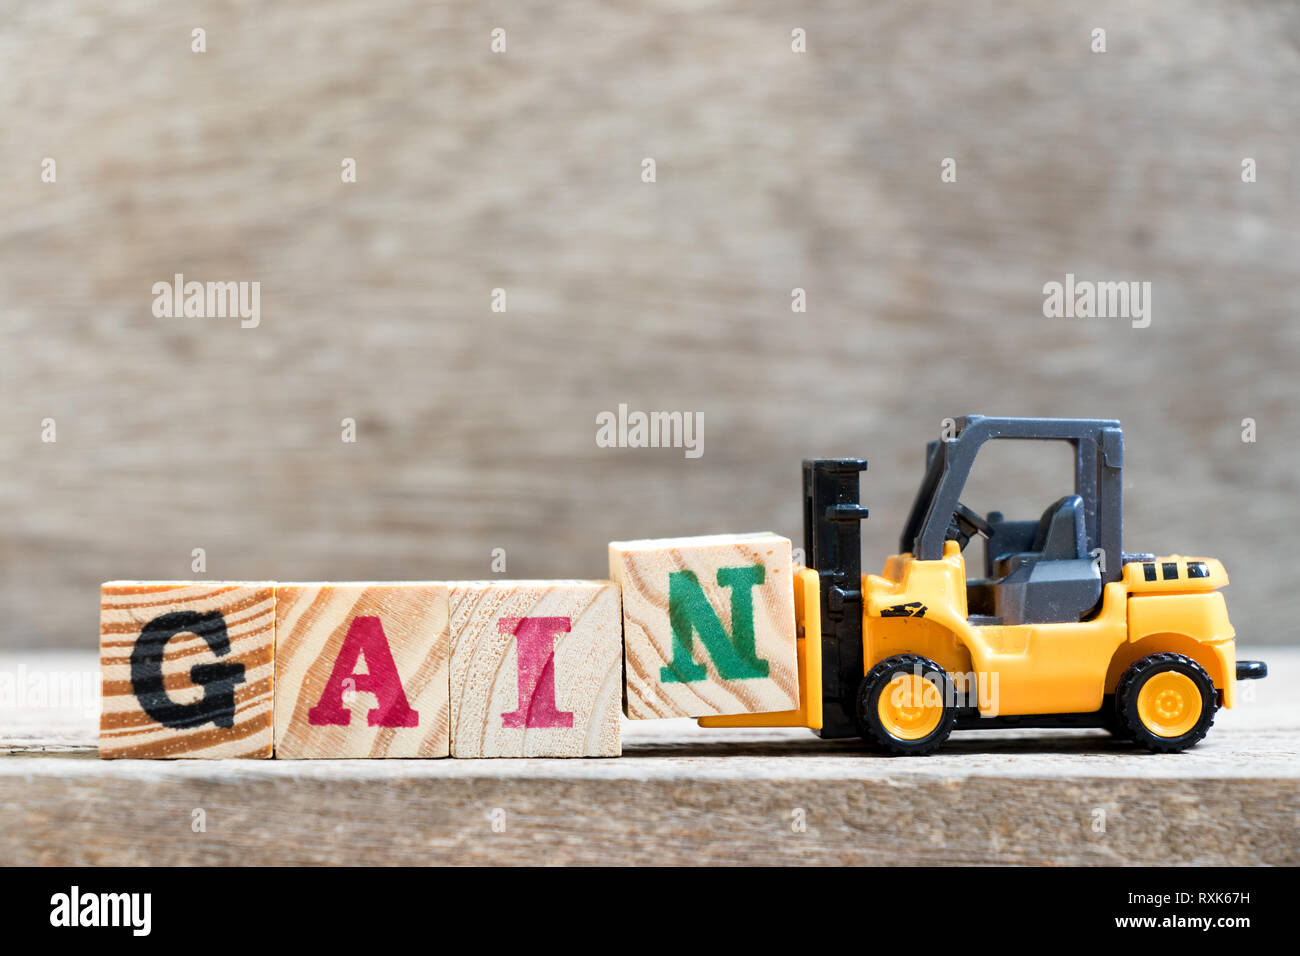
[[1060, 628]]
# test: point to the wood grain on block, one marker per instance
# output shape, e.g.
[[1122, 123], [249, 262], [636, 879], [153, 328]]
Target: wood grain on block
[[187, 669], [536, 669], [361, 670], [708, 625]]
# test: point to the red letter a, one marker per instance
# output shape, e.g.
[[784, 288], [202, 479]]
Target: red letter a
[[365, 636]]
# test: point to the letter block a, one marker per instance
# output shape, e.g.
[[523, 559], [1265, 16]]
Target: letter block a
[[187, 669], [708, 625], [361, 670], [536, 669]]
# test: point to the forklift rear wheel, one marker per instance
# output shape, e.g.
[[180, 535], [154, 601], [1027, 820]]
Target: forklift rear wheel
[[1112, 721], [1167, 701], [906, 705]]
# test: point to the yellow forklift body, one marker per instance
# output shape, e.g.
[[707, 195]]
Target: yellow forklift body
[[1017, 670], [919, 607]]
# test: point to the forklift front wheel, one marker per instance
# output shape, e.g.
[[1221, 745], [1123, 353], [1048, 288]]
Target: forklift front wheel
[[906, 705]]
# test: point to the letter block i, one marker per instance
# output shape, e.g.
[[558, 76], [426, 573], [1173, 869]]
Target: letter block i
[[187, 669], [361, 670], [536, 669], [708, 625]]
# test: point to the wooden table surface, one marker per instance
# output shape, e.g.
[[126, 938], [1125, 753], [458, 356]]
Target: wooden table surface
[[680, 794]]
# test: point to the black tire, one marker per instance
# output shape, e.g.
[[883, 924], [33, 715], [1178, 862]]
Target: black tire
[[1130, 687], [1111, 720], [868, 715]]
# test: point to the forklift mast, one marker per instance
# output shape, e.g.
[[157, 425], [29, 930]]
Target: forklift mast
[[832, 534]]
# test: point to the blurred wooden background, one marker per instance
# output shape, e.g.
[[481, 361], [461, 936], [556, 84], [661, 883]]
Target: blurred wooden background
[[522, 171]]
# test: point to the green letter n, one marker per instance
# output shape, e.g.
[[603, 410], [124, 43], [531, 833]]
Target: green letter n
[[690, 612]]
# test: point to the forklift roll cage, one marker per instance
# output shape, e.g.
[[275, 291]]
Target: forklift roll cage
[[1098, 446]]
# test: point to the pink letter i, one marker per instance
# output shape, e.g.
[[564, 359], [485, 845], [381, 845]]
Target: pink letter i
[[535, 643]]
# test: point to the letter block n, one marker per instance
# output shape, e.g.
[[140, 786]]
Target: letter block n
[[708, 625]]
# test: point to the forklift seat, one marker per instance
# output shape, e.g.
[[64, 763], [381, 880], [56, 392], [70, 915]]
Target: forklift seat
[[1056, 579], [1060, 537]]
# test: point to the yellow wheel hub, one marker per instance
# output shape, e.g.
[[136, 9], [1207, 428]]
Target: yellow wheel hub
[[910, 707], [1169, 704]]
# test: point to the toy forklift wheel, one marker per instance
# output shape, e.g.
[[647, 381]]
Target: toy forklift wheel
[[1112, 721], [1167, 702], [906, 705]]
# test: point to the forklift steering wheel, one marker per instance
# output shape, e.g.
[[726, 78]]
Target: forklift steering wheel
[[966, 523]]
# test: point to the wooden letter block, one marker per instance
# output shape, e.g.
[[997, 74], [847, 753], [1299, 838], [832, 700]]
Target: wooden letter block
[[361, 670], [187, 669], [536, 669], [708, 625]]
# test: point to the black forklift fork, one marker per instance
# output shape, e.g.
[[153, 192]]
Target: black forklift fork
[[832, 534]]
